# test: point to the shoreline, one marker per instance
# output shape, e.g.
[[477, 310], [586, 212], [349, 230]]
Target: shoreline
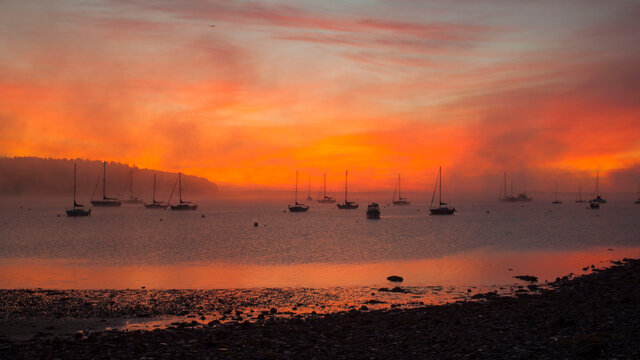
[[590, 316]]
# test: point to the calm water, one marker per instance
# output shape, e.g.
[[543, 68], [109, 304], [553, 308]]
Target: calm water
[[219, 247]]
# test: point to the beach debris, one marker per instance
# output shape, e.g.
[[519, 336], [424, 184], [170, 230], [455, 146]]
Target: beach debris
[[487, 295], [395, 278], [255, 224], [374, 301], [528, 278]]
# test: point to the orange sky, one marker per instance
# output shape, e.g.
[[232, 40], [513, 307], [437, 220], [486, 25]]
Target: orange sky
[[548, 90]]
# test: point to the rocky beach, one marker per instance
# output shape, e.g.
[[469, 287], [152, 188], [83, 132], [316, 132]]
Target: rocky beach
[[596, 315]]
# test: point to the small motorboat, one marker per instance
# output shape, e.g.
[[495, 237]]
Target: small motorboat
[[373, 211]]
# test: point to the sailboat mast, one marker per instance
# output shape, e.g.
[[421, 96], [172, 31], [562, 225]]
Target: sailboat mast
[[325, 185], [296, 196], [440, 190], [346, 175], [309, 189], [597, 178], [131, 185], [505, 185], [104, 180], [154, 189], [74, 184], [399, 193], [180, 186], [580, 192]]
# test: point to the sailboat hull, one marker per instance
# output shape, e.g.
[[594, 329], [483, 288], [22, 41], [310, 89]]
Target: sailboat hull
[[298, 208], [134, 201], [106, 203], [184, 207], [401, 202], [442, 211], [347, 206], [78, 212], [327, 200], [156, 206]]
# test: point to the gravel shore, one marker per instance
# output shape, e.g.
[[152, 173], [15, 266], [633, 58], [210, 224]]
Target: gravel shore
[[591, 316]]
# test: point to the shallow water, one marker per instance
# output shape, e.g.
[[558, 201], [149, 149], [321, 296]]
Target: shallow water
[[218, 246]]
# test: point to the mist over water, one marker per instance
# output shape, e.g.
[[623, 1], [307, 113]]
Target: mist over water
[[325, 245]]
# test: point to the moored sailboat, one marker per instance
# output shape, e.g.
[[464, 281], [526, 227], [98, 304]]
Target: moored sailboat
[[522, 197], [132, 200], [443, 208], [401, 200], [106, 201], [77, 209], [155, 204], [326, 199], [598, 198], [182, 205], [556, 201], [580, 199], [348, 205], [297, 207], [309, 198]]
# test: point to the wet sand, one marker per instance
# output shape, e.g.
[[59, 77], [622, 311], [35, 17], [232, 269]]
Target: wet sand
[[591, 316]]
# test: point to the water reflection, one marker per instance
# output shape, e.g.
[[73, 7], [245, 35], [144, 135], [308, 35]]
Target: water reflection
[[476, 268]]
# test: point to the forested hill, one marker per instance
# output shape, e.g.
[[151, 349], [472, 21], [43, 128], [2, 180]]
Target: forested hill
[[39, 176]]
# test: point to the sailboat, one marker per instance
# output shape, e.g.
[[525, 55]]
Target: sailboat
[[309, 198], [401, 200], [521, 197], [598, 198], [132, 199], [182, 205], [297, 207], [155, 204], [580, 199], [348, 205], [106, 201], [326, 199], [556, 201], [77, 208], [443, 209]]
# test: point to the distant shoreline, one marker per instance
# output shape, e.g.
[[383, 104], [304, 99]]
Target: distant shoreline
[[590, 316]]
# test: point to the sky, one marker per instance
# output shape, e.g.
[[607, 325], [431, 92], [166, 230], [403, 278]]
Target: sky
[[247, 92]]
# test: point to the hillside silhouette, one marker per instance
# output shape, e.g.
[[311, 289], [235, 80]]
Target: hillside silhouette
[[54, 177]]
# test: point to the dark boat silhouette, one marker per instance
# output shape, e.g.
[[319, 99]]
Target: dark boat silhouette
[[326, 199], [155, 204], [309, 198], [580, 199], [373, 211], [77, 210], [106, 201], [598, 198], [401, 200], [522, 197], [348, 205], [556, 201], [442, 209], [638, 201], [297, 207], [182, 205], [132, 200]]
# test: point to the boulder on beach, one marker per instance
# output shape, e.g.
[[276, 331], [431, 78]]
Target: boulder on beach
[[395, 278], [528, 278]]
